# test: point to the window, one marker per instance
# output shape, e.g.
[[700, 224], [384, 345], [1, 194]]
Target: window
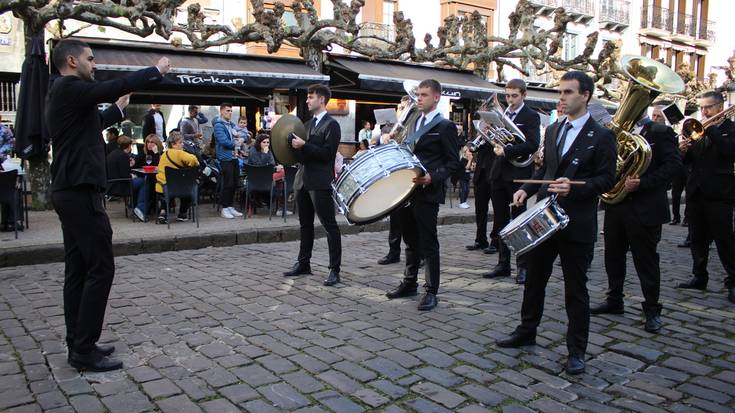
[[570, 45], [389, 6]]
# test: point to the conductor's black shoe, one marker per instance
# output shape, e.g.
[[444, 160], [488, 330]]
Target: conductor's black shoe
[[98, 348], [389, 259], [405, 289], [499, 271], [674, 221], [428, 302], [517, 339], [332, 278], [298, 269], [575, 365], [521, 277], [607, 308], [693, 284], [477, 246], [491, 249], [731, 294], [93, 361]]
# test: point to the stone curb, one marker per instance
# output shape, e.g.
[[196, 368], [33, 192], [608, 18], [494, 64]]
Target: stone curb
[[44, 254]]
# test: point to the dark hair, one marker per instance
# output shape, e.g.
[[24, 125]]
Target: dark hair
[[366, 143], [432, 84], [321, 90], [192, 107], [516, 84], [259, 139], [124, 142], [113, 130], [365, 122], [225, 105], [66, 48], [717, 96], [585, 82]]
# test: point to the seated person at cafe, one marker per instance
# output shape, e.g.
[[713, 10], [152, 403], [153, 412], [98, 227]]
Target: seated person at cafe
[[112, 135], [174, 157], [119, 164], [151, 155], [362, 147], [152, 150], [260, 155]]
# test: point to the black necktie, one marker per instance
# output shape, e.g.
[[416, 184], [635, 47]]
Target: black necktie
[[563, 139], [512, 115], [422, 123]]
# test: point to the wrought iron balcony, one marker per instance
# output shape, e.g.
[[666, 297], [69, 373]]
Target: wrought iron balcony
[[378, 30], [661, 22], [545, 7], [581, 10], [614, 15], [706, 31]]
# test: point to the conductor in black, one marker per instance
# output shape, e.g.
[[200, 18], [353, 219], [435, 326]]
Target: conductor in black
[[313, 184], [78, 177], [433, 140], [576, 149]]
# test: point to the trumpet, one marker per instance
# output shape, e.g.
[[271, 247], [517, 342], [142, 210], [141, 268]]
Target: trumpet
[[692, 130]]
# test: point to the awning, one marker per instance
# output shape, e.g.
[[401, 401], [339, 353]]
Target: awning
[[545, 100], [194, 68], [389, 76]]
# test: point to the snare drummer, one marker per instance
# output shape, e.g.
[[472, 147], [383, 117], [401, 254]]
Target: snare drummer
[[579, 149], [432, 138]]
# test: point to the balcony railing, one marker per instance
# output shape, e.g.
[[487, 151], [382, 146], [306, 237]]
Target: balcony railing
[[615, 13], [580, 7], [379, 30], [678, 24]]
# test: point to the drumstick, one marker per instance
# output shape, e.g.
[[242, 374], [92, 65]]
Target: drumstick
[[545, 181]]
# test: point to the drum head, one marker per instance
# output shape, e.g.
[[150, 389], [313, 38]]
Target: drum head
[[383, 196]]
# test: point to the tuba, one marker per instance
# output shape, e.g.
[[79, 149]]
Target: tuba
[[649, 78], [408, 114], [495, 127]]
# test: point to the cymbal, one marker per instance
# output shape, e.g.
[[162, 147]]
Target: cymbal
[[285, 154]]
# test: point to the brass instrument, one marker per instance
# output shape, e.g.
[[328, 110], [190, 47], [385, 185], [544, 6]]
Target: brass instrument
[[649, 78], [408, 114], [281, 136], [497, 128], [693, 130]]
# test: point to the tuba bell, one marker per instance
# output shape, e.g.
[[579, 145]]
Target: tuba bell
[[408, 114], [495, 127], [649, 78]]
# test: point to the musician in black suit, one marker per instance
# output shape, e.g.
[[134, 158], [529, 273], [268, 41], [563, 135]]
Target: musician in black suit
[[711, 195], [484, 158], [313, 184], [504, 172], [576, 149], [433, 140], [635, 224], [78, 177]]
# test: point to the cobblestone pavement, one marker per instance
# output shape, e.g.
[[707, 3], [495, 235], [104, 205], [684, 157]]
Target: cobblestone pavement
[[221, 330]]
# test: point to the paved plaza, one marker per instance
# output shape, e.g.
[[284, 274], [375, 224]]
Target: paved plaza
[[221, 330]]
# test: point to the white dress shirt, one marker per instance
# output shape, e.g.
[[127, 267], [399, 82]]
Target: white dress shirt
[[429, 117], [508, 111], [319, 117], [577, 125]]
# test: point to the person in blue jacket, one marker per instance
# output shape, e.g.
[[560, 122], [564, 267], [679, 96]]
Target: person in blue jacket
[[226, 142]]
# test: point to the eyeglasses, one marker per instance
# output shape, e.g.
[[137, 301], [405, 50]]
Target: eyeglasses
[[708, 107]]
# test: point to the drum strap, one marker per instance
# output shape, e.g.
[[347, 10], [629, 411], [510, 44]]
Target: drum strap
[[414, 138]]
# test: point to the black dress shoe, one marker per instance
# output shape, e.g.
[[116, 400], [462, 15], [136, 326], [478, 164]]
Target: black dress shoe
[[93, 362], [497, 272], [405, 289], [102, 349], [517, 340], [607, 308], [428, 302], [653, 322], [490, 250], [731, 294], [477, 246], [298, 269], [521, 277], [693, 284], [332, 278], [389, 259], [575, 365], [674, 221]]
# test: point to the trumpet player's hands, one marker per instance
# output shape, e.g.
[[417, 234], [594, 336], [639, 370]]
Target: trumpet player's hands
[[519, 197], [561, 186], [632, 183], [499, 150], [297, 142], [423, 180]]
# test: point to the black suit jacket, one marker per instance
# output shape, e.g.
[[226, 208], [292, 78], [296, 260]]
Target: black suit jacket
[[592, 159], [528, 121], [118, 166], [711, 161], [484, 160], [437, 151], [75, 125], [149, 125], [317, 155], [650, 201]]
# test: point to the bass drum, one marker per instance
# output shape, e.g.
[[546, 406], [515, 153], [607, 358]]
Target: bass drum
[[376, 182], [536, 225]]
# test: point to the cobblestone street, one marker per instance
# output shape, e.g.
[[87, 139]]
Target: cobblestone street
[[221, 330]]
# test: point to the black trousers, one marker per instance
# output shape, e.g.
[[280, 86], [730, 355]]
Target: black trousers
[[575, 258], [711, 221], [624, 231], [678, 183], [321, 203], [482, 203], [394, 234], [502, 196], [89, 265], [230, 175], [418, 226]]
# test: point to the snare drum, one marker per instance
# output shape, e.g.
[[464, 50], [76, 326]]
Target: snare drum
[[376, 182], [534, 226]]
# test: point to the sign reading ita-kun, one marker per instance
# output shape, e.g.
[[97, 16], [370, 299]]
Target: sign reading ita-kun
[[211, 79]]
